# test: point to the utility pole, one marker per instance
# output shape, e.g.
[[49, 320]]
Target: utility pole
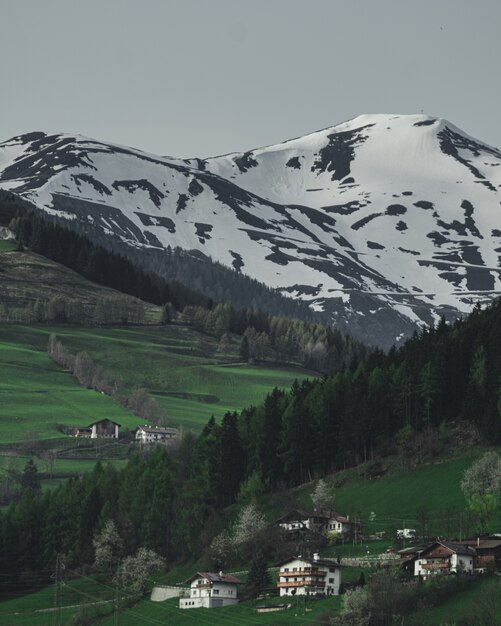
[[58, 591], [117, 594]]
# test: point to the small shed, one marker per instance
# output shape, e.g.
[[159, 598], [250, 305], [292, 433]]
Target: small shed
[[83, 431]]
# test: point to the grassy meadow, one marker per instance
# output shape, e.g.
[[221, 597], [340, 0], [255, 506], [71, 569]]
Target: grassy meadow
[[179, 366], [394, 499], [87, 599], [7, 245]]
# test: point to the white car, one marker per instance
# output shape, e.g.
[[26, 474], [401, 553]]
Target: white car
[[406, 533]]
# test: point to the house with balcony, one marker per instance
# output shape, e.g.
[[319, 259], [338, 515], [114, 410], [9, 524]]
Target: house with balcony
[[304, 576], [442, 557], [210, 590]]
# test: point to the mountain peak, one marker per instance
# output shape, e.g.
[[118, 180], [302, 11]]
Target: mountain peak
[[384, 219]]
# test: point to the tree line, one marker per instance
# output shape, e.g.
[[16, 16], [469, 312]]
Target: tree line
[[277, 338], [107, 310], [441, 376], [92, 376]]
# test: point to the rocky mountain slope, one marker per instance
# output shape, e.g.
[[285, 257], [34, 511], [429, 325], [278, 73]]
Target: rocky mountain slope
[[383, 222]]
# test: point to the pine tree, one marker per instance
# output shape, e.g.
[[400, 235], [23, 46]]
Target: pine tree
[[30, 480], [165, 317], [259, 578], [244, 349], [232, 461]]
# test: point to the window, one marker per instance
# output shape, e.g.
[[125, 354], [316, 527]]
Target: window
[[286, 569], [331, 580], [216, 592]]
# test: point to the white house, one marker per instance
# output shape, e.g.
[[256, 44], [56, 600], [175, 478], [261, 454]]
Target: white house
[[336, 523], [446, 558], [152, 434], [209, 590], [304, 576]]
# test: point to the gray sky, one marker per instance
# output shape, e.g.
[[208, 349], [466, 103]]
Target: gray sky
[[205, 77]]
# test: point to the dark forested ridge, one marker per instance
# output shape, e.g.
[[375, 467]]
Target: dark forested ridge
[[197, 273], [170, 502], [97, 264], [446, 374], [267, 337]]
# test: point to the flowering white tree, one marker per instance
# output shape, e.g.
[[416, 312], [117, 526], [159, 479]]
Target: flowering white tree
[[322, 496], [481, 486], [357, 605], [250, 523], [134, 571], [222, 547], [108, 546], [483, 477]]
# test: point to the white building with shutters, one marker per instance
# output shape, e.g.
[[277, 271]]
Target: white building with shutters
[[209, 590]]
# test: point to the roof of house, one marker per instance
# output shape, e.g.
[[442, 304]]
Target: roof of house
[[458, 548], [303, 514], [215, 578], [410, 550], [485, 544], [84, 428], [162, 430], [104, 420], [311, 561]]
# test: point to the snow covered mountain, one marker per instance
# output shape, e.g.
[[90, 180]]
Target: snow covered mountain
[[384, 221]]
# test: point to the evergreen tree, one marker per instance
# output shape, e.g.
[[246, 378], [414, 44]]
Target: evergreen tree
[[165, 317], [232, 461], [244, 350], [259, 578], [427, 390], [30, 480]]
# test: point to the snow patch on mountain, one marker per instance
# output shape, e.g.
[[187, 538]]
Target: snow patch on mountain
[[392, 217]]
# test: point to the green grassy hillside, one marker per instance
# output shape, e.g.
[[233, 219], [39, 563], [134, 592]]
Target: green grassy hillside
[[395, 498], [7, 245], [36, 396], [181, 367]]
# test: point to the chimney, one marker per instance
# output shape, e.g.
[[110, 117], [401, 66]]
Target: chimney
[[478, 541], [315, 556], [221, 573]]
